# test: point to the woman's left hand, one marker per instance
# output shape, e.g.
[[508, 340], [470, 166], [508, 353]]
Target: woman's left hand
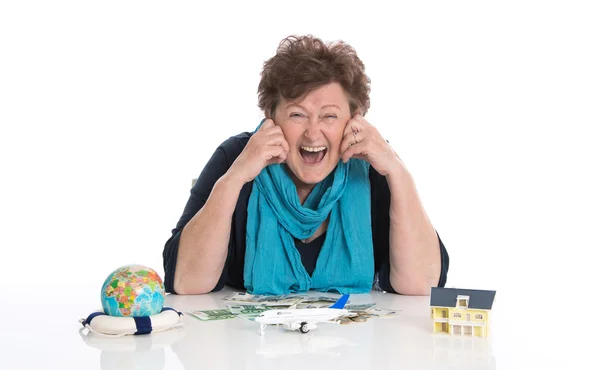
[[362, 140]]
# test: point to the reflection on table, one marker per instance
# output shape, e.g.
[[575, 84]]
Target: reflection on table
[[132, 351], [404, 341]]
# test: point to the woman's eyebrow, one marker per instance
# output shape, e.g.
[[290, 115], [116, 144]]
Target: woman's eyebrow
[[296, 105], [292, 104]]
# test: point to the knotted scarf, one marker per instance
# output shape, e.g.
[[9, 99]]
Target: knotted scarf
[[275, 217]]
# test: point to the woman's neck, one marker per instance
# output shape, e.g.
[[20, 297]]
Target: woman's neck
[[303, 190]]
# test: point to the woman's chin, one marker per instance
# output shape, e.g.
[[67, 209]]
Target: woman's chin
[[310, 174], [311, 180]]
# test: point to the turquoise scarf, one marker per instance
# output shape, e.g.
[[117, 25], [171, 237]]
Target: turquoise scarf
[[275, 216]]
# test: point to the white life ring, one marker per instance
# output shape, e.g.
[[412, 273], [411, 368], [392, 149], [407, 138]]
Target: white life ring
[[102, 324], [131, 343]]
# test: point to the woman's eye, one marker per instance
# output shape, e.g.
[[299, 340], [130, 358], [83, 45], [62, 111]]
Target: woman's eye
[[330, 116], [294, 115]]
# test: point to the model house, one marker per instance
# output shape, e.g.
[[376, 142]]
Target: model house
[[461, 311]]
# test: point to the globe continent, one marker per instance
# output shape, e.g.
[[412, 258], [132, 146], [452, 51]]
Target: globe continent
[[133, 291]]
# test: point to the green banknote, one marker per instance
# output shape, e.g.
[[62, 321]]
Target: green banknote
[[209, 315]]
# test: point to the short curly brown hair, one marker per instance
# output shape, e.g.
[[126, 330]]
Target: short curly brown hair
[[305, 63]]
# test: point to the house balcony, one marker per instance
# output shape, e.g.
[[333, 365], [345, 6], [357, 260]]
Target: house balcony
[[458, 322]]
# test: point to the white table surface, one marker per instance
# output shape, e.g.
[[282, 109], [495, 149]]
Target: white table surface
[[31, 338]]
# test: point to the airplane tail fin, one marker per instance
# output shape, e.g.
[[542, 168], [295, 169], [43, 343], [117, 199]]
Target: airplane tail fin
[[341, 302]]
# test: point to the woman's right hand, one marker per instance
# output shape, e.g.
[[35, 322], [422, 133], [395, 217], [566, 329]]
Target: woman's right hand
[[266, 146]]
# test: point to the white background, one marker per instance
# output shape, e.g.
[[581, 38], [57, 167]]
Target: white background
[[109, 109]]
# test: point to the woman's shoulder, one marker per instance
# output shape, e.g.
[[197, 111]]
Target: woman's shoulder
[[236, 143], [233, 146]]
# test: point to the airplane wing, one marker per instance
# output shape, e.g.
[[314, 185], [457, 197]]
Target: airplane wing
[[332, 321]]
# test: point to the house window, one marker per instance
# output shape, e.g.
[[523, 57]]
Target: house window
[[479, 317], [457, 314], [462, 301]]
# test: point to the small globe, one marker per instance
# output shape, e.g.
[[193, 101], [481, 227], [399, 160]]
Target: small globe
[[133, 291]]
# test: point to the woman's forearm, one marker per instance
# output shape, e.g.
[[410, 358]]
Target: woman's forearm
[[414, 247], [204, 240]]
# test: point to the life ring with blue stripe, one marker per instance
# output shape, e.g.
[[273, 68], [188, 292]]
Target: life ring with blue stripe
[[102, 324]]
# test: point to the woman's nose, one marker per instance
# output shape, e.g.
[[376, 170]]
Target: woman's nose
[[313, 130]]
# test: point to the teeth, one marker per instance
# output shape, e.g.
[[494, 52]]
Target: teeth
[[314, 149]]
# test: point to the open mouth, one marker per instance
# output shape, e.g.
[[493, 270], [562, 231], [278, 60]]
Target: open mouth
[[313, 154]]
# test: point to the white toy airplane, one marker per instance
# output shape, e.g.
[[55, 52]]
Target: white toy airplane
[[303, 319]]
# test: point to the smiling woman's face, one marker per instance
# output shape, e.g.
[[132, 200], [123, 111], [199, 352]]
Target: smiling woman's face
[[314, 128]]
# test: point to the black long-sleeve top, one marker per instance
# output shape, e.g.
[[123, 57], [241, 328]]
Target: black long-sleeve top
[[233, 272]]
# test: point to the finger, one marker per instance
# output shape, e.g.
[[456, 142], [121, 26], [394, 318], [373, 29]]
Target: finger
[[354, 125], [355, 151], [267, 125], [359, 123], [274, 151], [276, 133], [348, 153], [351, 134], [361, 119], [277, 138], [350, 126], [285, 144], [347, 141], [282, 158], [276, 154], [347, 136]]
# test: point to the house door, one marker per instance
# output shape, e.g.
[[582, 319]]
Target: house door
[[457, 329], [444, 327], [468, 317], [468, 330]]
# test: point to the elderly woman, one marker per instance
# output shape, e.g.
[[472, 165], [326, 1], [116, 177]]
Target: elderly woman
[[314, 198]]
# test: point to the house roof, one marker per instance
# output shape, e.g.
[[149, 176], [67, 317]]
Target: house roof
[[478, 299]]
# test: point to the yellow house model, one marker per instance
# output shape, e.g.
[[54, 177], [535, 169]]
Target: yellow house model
[[461, 311]]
